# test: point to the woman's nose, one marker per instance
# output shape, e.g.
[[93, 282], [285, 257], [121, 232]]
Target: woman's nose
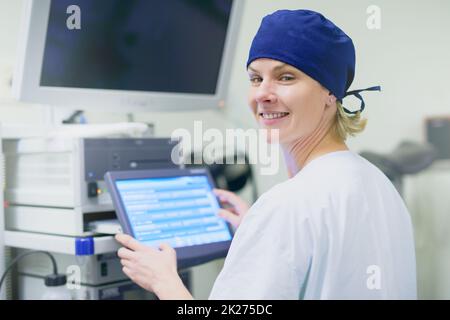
[[265, 92]]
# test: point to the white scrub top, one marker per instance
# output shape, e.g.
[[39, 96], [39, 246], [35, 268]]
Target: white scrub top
[[337, 230]]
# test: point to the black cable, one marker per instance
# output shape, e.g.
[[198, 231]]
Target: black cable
[[254, 186], [73, 117], [19, 257], [251, 177]]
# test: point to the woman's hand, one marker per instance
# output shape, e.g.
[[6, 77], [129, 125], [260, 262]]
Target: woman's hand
[[152, 269], [236, 210]]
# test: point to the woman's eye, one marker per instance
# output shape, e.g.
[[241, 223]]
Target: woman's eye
[[255, 80], [286, 78]]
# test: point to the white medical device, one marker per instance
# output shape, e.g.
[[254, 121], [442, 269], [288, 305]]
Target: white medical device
[[56, 186]]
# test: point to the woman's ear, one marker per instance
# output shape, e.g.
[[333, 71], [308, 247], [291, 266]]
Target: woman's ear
[[331, 99]]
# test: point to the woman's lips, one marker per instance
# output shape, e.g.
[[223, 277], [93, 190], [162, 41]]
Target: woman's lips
[[271, 118]]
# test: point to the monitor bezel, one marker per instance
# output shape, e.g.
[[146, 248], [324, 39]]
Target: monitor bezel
[[27, 75], [186, 256]]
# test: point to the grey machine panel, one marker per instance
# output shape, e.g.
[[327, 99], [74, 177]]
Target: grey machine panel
[[102, 155]]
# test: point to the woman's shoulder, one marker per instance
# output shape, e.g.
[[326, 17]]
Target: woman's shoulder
[[338, 171], [333, 175]]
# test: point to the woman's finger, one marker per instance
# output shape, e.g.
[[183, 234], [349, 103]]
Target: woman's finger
[[128, 273], [125, 253], [230, 197], [229, 216], [128, 241], [224, 194], [166, 247], [126, 263]]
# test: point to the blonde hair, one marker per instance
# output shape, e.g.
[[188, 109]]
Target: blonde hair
[[347, 124]]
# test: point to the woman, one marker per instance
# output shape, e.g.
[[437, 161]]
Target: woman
[[337, 228]]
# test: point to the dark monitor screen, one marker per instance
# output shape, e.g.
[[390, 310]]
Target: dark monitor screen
[[173, 46]]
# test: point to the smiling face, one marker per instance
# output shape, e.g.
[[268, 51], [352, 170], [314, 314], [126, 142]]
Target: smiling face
[[284, 98]]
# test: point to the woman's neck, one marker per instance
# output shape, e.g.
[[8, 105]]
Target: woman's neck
[[302, 151]]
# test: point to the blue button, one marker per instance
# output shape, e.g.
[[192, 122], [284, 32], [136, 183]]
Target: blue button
[[84, 246]]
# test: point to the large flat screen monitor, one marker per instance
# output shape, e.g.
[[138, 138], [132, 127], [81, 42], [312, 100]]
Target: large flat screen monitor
[[127, 54]]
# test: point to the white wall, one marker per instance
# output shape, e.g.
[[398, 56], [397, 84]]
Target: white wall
[[9, 28]]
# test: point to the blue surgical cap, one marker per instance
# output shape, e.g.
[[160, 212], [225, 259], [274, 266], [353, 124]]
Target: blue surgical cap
[[311, 43]]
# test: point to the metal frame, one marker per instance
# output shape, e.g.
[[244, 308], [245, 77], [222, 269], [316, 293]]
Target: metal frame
[[54, 243], [2, 215]]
